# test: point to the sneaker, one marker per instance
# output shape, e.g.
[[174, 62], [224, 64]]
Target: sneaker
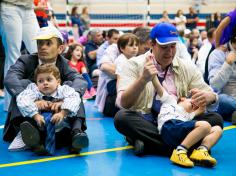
[[87, 95], [30, 135], [17, 144], [2, 94], [138, 147], [233, 118], [181, 158], [93, 92], [203, 158]]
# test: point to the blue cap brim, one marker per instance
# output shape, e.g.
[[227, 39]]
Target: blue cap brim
[[167, 40]]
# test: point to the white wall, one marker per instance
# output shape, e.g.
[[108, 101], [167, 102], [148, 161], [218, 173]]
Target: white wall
[[140, 6]]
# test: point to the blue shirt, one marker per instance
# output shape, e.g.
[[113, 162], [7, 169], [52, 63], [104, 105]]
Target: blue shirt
[[191, 26], [90, 46]]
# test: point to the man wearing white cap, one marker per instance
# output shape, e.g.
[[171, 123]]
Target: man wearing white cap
[[136, 92], [49, 42]]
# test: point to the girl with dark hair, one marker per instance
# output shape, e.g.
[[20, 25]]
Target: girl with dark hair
[[75, 55]]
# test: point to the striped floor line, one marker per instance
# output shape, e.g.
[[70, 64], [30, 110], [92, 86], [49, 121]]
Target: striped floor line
[[77, 155], [64, 157]]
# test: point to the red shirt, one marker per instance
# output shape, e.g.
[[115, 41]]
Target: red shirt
[[40, 13], [78, 67]]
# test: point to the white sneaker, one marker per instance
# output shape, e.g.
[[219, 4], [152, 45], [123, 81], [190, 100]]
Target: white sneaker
[[17, 144]]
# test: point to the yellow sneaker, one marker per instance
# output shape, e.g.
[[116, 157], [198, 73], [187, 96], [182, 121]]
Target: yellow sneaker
[[181, 158], [203, 158]]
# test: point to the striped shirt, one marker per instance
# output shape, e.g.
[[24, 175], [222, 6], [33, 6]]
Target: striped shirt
[[26, 99]]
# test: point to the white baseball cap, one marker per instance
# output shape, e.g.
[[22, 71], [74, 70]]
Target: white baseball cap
[[48, 32]]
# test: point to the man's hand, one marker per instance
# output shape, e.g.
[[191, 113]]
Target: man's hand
[[200, 110], [56, 106], [43, 105], [58, 117], [202, 98], [39, 119], [149, 70], [231, 58]]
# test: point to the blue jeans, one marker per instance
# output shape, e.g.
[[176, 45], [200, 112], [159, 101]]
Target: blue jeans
[[17, 24], [227, 105]]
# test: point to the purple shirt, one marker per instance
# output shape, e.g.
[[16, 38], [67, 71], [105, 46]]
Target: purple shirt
[[227, 32]]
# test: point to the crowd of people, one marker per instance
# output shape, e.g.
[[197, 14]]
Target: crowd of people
[[168, 88]]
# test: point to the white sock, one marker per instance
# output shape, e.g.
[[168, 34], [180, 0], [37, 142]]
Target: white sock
[[202, 147], [181, 148]]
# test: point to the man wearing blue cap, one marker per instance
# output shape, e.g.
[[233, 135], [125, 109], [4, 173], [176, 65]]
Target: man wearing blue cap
[[136, 93], [49, 43]]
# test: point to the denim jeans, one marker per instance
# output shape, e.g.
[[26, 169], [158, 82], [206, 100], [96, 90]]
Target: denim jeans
[[227, 105], [17, 24]]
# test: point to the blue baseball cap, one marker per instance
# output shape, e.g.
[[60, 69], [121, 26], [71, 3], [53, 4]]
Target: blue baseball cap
[[164, 33]]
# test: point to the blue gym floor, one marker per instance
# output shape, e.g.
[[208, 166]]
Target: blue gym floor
[[108, 154]]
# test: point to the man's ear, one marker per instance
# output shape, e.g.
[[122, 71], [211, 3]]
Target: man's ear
[[61, 49]]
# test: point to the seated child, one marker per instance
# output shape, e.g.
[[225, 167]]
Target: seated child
[[46, 96], [178, 129], [75, 55], [128, 47]]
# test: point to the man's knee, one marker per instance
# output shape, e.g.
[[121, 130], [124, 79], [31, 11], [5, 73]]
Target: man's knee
[[120, 119], [216, 120]]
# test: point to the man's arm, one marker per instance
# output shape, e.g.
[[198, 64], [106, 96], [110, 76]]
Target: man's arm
[[17, 78], [131, 94], [109, 68], [92, 54], [218, 33], [220, 69]]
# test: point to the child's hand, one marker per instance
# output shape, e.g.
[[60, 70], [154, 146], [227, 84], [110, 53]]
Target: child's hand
[[42, 104], [39, 119], [56, 106], [58, 117]]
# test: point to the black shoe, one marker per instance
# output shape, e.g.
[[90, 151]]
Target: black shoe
[[41, 150], [74, 151], [138, 147], [129, 140], [30, 135], [233, 118], [79, 140]]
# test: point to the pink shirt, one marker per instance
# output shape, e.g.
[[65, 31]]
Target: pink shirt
[[168, 83]]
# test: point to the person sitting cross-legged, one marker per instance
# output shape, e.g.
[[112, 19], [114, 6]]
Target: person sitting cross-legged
[[49, 106], [21, 74]]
